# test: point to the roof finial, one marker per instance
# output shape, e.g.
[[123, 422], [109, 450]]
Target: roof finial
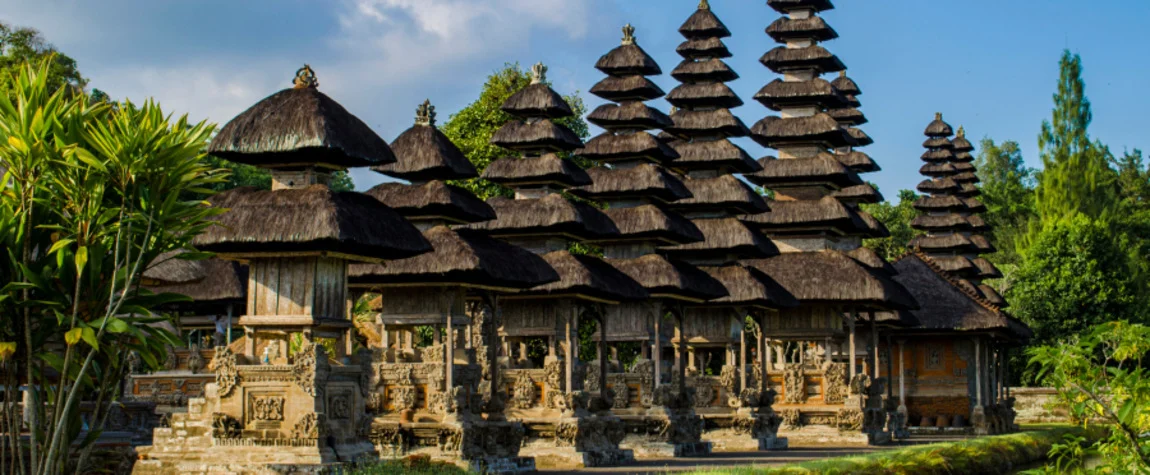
[[938, 116], [843, 73], [961, 132], [628, 35], [538, 73], [305, 78], [425, 114], [704, 5]]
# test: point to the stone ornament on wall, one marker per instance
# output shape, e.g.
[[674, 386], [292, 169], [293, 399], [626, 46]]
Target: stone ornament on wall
[[524, 393], [225, 426], [850, 419], [224, 365], [311, 368], [646, 371], [310, 426], [591, 377], [622, 396], [792, 418], [794, 384], [195, 360], [267, 408], [339, 406], [836, 383]]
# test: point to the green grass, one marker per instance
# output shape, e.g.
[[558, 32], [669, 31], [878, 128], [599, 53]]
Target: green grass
[[412, 465]]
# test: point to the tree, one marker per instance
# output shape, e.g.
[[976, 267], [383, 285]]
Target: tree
[[1007, 187], [472, 127], [20, 45], [897, 219], [1133, 180]]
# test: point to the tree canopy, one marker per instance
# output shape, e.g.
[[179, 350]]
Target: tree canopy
[[22, 45]]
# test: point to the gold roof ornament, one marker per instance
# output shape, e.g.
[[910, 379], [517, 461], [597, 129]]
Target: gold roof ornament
[[938, 116], [425, 114], [538, 73], [305, 78], [628, 35], [961, 132], [704, 5]]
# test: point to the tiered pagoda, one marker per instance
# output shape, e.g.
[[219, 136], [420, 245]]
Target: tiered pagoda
[[816, 224], [712, 342], [567, 426], [281, 399]]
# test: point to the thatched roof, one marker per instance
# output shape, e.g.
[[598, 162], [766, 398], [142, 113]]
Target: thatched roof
[[168, 268], [938, 142], [550, 215], [937, 169], [713, 69], [724, 192], [784, 6], [804, 215], [986, 269], [609, 147], [703, 24], [848, 116], [710, 155], [846, 85], [542, 134], [710, 123], [965, 177], [861, 138], [822, 168], [713, 94], [783, 59], [874, 227], [668, 278], [863, 193], [423, 153], [641, 181], [549, 169], [299, 126], [867, 257], [433, 200], [206, 281], [462, 257], [935, 186], [853, 101], [963, 157], [938, 128], [858, 162], [814, 27], [834, 278], [625, 88], [725, 237], [956, 265], [946, 222], [982, 244], [748, 287], [588, 276], [939, 203], [946, 305], [653, 223], [778, 94], [943, 243], [626, 60], [938, 155], [774, 131], [963, 167], [987, 292], [537, 100], [703, 48], [628, 115], [312, 219], [961, 144]]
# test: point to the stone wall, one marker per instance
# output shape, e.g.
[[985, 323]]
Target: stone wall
[[1038, 405], [949, 406]]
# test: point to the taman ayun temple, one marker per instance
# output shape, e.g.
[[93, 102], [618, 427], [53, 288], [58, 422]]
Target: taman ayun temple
[[723, 319]]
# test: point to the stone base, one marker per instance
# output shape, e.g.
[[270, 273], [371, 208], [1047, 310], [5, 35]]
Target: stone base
[[567, 458], [503, 465], [648, 448], [731, 440], [824, 436]]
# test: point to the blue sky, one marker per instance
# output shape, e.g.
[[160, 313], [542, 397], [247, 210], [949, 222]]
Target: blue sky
[[990, 65]]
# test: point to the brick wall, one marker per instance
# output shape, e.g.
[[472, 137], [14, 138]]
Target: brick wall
[[949, 406]]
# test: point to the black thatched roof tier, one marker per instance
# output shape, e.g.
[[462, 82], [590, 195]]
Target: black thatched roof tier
[[312, 219], [823, 168], [786, 6], [549, 169], [608, 147], [961, 144], [589, 277], [713, 69], [169, 268], [943, 243], [986, 269], [704, 24], [703, 48], [721, 193], [669, 278], [938, 142], [946, 222], [637, 88], [861, 138], [628, 115], [938, 155], [716, 122], [802, 216], [537, 100], [423, 153], [539, 135], [710, 155], [935, 186], [773, 131], [846, 85], [963, 167], [858, 162], [779, 94], [550, 215], [853, 101], [715, 94], [987, 292], [813, 27], [874, 227], [433, 200], [977, 223], [626, 60], [982, 244], [940, 203], [965, 177], [748, 287], [653, 223], [956, 265], [832, 277], [460, 257], [963, 157], [299, 127], [937, 169], [938, 128], [724, 237], [203, 281], [947, 305], [783, 59], [641, 181], [867, 257], [848, 116], [863, 193]]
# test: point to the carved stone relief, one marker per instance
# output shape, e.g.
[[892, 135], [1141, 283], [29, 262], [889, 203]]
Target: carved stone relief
[[224, 365], [836, 383], [267, 408], [794, 384]]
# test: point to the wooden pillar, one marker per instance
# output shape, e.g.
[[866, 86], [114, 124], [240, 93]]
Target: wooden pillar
[[874, 343], [742, 357], [449, 354], [231, 310], [570, 345], [250, 345], [901, 374], [889, 368], [766, 354], [1006, 372], [469, 344], [493, 344], [551, 347], [657, 357], [853, 349], [977, 372], [602, 352], [681, 353]]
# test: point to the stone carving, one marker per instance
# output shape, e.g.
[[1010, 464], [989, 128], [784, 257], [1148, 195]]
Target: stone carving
[[934, 358], [591, 377], [224, 365], [339, 406], [195, 360], [310, 426], [524, 393], [850, 419], [225, 426], [622, 397], [402, 398], [860, 385], [792, 418], [704, 392], [171, 361], [135, 366], [389, 436], [268, 408], [311, 368], [450, 439], [794, 384], [433, 354], [835, 381], [646, 371], [554, 375], [729, 378]]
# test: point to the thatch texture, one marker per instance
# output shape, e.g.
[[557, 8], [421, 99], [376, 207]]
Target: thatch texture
[[783, 59], [704, 24], [863, 193], [853, 101], [834, 278], [946, 222], [965, 177], [939, 203], [588, 276], [710, 155], [867, 257], [962, 167], [873, 227], [300, 126], [937, 169], [641, 181], [539, 135], [938, 142], [945, 304], [636, 88], [713, 94], [721, 122], [723, 238], [977, 223], [846, 85], [713, 69], [460, 257], [943, 243], [938, 128], [628, 115], [848, 116], [551, 215], [823, 168], [986, 269], [963, 157], [937, 186], [703, 48], [785, 6], [667, 278], [628, 60], [861, 138], [992, 296], [804, 215], [938, 155], [312, 219], [433, 200], [609, 147], [773, 131], [982, 244], [724, 192], [168, 268], [423, 153], [653, 223], [543, 170], [956, 265], [748, 287], [218, 281], [537, 100], [814, 27], [778, 94], [858, 162], [961, 144]]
